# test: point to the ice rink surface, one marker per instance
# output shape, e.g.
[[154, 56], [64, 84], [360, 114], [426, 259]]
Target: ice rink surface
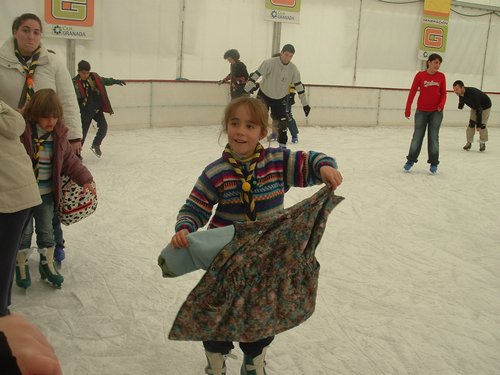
[[410, 262]]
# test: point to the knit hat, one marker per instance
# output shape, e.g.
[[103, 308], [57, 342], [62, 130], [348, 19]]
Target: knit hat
[[288, 48], [84, 65]]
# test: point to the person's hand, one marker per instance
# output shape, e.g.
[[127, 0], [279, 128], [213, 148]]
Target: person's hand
[[179, 239], [21, 110], [330, 176], [307, 109], [76, 146], [220, 82], [121, 83], [33, 352]]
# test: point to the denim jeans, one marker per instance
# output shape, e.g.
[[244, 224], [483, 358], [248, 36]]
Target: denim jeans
[[58, 233], [432, 120], [42, 215]]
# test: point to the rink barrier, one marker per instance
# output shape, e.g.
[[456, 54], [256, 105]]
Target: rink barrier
[[164, 103]]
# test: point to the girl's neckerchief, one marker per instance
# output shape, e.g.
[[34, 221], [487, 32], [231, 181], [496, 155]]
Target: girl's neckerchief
[[29, 66], [246, 179], [37, 147]]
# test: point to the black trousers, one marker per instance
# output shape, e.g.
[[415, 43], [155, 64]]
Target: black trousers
[[252, 349], [102, 126], [279, 113], [11, 228]]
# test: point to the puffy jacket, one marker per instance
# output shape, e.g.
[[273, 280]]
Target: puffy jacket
[[51, 73], [18, 187], [64, 160]]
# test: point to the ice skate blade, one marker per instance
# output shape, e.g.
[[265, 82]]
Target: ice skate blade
[[52, 285], [96, 154]]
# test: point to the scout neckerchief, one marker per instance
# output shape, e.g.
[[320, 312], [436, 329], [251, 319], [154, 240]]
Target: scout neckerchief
[[29, 66], [37, 147], [246, 180], [86, 90]]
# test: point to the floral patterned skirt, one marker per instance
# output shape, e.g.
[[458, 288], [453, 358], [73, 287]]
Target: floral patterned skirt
[[264, 281]]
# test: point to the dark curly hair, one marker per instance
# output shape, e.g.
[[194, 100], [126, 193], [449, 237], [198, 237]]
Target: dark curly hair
[[232, 53]]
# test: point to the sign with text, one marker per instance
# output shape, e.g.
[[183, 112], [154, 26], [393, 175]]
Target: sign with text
[[282, 10], [70, 19], [434, 27]]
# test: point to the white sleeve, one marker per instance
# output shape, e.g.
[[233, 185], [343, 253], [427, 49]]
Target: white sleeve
[[299, 87], [66, 92]]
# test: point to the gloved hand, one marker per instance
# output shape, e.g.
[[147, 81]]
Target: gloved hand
[[121, 83], [307, 109]]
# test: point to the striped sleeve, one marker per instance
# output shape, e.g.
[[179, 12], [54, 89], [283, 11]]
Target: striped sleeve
[[303, 167], [196, 212]]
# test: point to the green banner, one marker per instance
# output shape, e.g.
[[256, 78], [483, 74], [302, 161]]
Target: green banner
[[434, 31]]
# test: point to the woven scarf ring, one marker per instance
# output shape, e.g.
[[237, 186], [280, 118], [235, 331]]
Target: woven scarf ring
[[247, 181], [37, 147], [29, 71]]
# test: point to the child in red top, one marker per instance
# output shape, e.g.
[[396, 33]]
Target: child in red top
[[430, 105]]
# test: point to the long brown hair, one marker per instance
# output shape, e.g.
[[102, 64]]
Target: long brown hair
[[44, 103]]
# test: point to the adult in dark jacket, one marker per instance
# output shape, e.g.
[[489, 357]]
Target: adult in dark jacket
[[480, 105], [238, 76], [94, 102]]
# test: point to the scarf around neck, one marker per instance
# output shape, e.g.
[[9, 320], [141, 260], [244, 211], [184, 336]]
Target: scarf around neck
[[247, 179], [29, 66], [38, 146]]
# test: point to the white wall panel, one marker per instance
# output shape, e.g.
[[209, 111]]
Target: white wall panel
[[338, 42]]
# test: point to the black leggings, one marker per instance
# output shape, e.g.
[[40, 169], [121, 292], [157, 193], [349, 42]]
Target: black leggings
[[278, 112], [252, 349]]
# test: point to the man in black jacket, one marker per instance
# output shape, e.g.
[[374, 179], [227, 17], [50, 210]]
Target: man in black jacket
[[480, 105]]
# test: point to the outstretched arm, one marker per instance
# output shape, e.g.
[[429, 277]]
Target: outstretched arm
[[112, 81]]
